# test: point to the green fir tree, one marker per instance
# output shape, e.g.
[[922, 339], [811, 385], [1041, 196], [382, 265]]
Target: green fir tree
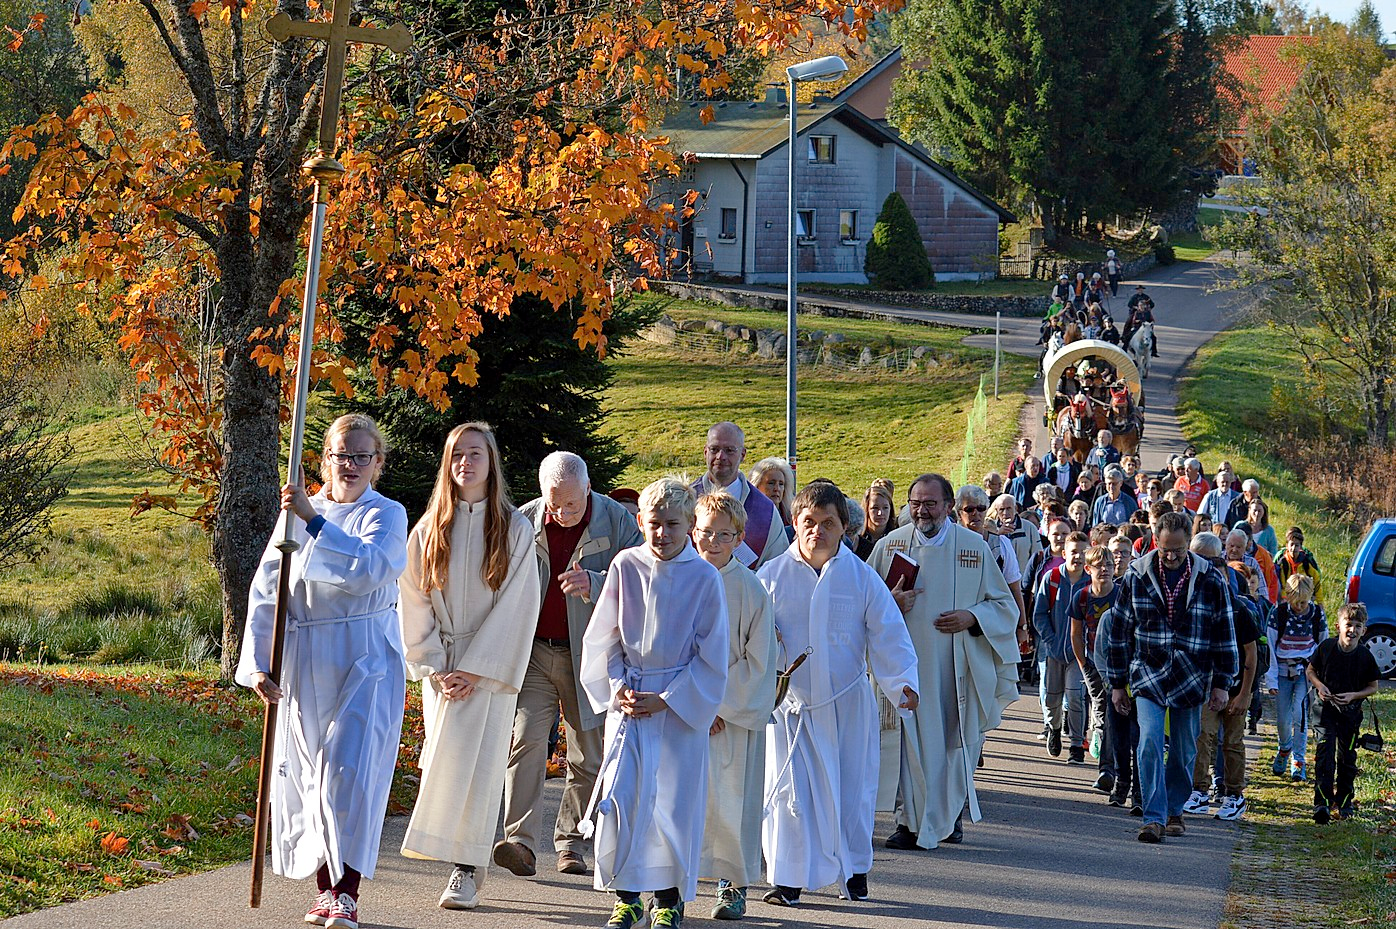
[[896, 256]]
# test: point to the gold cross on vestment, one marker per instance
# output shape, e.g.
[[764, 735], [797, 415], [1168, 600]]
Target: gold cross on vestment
[[337, 33]]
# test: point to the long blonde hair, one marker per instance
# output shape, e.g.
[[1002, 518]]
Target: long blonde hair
[[441, 516]]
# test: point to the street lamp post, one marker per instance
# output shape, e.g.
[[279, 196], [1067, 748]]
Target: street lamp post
[[820, 69]]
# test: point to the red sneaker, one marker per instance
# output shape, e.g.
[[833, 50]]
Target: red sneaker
[[344, 914], [319, 912]]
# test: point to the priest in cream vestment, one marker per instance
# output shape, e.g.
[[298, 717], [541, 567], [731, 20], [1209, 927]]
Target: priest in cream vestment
[[962, 620]]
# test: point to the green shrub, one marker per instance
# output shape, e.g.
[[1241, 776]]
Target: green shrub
[[896, 256], [1164, 254]]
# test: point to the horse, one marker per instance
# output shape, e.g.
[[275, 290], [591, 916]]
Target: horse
[[1126, 423], [1141, 347], [1071, 333], [1078, 423]]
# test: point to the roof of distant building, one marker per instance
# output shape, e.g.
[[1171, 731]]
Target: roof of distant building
[[1266, 71], [753, 130]]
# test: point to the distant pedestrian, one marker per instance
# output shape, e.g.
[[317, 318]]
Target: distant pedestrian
[[1113, 269]]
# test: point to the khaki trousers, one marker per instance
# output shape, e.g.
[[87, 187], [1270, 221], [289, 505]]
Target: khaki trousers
[[548, 680], [1233, 736]]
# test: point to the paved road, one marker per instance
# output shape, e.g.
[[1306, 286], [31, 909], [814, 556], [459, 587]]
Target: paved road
[[1050, 854]]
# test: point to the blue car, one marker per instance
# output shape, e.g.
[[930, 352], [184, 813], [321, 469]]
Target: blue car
[[1372, 580]]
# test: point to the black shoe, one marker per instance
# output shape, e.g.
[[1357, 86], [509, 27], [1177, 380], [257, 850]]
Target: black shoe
[[782, 896], [1105, 783], [957, 835], [1076, 755], [1136, 808], [857, 887], [981, 760], [1054, 742], [903, 839], [1253, 727], [1117, 799], [1321, 815]]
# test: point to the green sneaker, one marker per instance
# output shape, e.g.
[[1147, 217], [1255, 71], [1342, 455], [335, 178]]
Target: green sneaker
[[731, 903], [626, 915], [665, 917]]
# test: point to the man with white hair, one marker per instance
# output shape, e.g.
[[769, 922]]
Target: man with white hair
[[1241, 505], [1104, 454], [1237, 542], [724, 452], [1192, 484], [963, 623], [577, 533], [1217, 502], [1114, 506]]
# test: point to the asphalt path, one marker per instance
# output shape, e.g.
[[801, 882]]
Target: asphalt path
[[1049, 854]]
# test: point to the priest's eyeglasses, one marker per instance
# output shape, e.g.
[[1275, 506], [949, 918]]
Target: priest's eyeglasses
[[722, 537], [358, 459]]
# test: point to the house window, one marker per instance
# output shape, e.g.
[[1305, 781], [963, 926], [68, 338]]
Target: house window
[[728, 230], [804, 226], [848, 225], [821, 149]]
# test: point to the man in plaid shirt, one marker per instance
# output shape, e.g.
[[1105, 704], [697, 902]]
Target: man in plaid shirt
[[1171, 648]]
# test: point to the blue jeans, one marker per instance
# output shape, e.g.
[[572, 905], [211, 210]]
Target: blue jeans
[[1292, 717], [1166, 783]]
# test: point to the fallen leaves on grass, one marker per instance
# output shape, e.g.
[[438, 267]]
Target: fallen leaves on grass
[[114, 844], [153, 867]]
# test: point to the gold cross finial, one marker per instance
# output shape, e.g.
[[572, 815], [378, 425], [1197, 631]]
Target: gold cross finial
[[337, 33]]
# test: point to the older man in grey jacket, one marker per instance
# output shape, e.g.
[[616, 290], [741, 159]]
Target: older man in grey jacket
[[577, 533]]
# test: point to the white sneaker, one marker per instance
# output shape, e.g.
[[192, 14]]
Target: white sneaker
[[460, 892], [1232, 809], [1197, 803]]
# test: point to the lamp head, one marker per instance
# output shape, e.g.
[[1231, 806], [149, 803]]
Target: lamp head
[[820, 69]]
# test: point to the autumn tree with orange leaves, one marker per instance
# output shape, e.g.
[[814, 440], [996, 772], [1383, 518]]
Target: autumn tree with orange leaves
[[180, 213]]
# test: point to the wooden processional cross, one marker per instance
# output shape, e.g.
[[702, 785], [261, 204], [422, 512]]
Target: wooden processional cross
[[325, 170]]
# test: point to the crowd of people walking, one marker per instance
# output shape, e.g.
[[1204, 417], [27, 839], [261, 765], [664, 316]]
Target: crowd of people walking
[[730, 655]]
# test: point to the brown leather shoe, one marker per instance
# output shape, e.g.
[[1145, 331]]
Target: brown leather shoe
[[1151, 833], [516, 857], [1175, 827], [569, 862]]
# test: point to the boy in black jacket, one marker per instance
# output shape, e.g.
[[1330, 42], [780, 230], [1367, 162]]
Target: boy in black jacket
[[1343, 673]]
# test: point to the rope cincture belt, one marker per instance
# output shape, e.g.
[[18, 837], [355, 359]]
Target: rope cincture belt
[[602, 800], [798, 710]]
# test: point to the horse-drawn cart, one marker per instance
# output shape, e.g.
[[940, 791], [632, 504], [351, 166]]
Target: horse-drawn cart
[[1091, 385]]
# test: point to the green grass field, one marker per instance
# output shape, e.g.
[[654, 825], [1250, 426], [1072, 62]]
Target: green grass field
[[1226, 408], [851, 427]]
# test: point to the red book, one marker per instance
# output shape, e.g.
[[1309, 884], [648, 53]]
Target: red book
[[903, 569]]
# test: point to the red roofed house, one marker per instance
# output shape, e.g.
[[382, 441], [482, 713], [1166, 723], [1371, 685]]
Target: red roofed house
[[1267, 73]]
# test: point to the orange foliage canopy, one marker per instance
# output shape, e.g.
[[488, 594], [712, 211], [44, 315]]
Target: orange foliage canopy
[[144, 221]]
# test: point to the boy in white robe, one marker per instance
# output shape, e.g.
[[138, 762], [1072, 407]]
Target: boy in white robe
[[737, 742], [822, 746], [654, 658]]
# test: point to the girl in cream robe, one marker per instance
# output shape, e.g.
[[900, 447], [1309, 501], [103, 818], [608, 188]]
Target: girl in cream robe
[[465, 626]]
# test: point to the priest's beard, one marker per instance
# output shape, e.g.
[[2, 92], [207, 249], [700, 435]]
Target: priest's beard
[[928, 525]]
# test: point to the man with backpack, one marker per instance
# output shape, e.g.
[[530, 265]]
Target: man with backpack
[[1056, 590]]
